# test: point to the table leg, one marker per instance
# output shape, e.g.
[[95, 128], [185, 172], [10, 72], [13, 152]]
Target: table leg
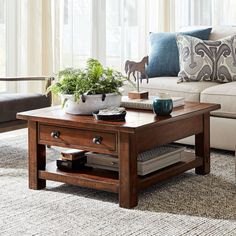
[[128, 196], [202, 146], [37, 157]]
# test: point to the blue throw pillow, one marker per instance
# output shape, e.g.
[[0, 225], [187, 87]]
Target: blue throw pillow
[[164, 55]]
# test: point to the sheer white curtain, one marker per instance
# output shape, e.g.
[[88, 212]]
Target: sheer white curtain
[[109, 30], [129, 25], [224, 12], [40, 37], [28, 41], [205, 12], [116, 30]]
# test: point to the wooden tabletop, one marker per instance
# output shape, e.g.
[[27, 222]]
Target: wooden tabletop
[[134, 118]]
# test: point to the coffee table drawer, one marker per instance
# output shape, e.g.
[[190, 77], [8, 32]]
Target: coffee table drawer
[[54, 135]]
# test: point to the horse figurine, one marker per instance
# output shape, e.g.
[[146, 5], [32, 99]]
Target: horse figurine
[[132, 67]]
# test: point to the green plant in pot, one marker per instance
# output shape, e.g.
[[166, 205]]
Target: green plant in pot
[[87, 90]]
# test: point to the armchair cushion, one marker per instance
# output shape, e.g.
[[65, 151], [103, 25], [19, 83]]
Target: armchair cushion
[[11, 103]]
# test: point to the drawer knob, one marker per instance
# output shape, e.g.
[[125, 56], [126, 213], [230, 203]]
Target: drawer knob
[[97, 140], [55, 134]]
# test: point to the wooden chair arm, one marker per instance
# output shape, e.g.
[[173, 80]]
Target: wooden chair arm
[[29, 78], [32, 78]]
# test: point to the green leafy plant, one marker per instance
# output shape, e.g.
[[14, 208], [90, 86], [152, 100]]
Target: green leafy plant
[[93, 79]]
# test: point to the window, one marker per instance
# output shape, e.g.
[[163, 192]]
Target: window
[[75, 48], [110, 30], [121, 32], [2, 44]]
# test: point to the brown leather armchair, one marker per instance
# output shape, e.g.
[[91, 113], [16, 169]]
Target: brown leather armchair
[[11, 103]]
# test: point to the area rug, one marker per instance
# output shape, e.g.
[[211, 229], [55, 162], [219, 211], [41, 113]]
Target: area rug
[[185, 205]]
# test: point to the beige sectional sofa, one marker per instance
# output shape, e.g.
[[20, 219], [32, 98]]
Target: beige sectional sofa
[[223, 121]]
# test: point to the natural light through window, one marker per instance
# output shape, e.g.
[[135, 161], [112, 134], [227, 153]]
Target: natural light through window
[[2, 44], [42, 37], [76, 32]]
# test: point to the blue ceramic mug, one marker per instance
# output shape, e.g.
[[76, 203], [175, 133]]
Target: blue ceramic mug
[[163, 105]]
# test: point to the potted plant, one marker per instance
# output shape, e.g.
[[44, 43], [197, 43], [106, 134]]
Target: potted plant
[[84, 91]]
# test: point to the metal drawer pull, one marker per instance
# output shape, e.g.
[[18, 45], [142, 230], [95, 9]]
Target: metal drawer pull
[[55, 134], [97, 140]]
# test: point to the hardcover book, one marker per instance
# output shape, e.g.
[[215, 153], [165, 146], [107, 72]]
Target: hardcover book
[[146, 104], [72, 154], [147, 162], [68, 165]]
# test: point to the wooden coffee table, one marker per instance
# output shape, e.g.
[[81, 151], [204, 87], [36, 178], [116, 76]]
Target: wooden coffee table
[[141, 131]]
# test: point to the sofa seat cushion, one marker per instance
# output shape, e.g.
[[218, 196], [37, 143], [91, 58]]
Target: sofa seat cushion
[[11, 103], [189, 90], [224, 94]]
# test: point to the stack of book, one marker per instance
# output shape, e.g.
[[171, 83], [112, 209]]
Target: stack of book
[[147, 162], [71, 159], [146, 104]]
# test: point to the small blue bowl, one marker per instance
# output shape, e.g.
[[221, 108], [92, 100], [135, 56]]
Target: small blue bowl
[[162, 107]]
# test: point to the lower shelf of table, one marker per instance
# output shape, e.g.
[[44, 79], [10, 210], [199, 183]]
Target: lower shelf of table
[[109, 180]]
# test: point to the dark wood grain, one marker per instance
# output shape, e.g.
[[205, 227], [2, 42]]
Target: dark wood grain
[[202, 146], [167, 133], [78, 138], [134, 119], [37, 157], [91, 178], [141, 131], [127, 171], [26, 78], [188, 162]]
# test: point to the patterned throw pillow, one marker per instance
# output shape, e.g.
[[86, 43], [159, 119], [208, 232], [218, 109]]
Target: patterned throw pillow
[[207, 60], [163, 54]]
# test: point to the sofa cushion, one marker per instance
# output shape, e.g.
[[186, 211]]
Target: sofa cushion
[[11, 103], [163, 56], [224, 94], [207, 60], [190, 91], [218, 32]]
